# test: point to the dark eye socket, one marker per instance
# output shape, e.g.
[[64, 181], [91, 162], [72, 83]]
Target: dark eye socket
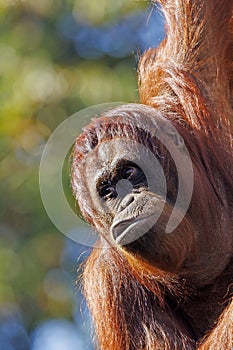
[[130, 172], [134, 174], [107, 191], [106, 187]]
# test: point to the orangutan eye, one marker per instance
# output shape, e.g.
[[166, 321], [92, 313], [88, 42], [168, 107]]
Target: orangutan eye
[[107, 191], [130, 173], [134, 174]]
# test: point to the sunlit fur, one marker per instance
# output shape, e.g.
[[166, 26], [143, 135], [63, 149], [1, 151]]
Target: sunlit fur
[[188, 80]]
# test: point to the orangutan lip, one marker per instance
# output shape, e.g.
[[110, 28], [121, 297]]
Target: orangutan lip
[[132, 229]]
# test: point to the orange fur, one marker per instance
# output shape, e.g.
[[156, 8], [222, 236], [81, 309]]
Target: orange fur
[[189, 80]]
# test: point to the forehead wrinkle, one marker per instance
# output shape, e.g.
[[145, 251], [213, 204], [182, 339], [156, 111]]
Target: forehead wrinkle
[[107, 156], [108, 169]]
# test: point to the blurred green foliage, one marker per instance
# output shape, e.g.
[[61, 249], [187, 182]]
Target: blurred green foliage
[[43, 80]]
